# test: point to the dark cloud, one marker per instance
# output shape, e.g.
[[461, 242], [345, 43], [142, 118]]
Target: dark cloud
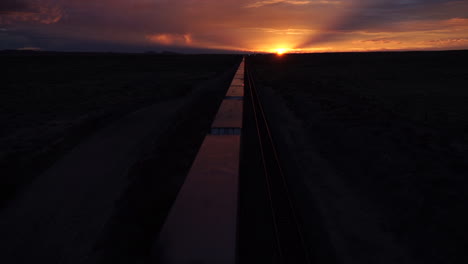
[[7, 6], [27, 11]]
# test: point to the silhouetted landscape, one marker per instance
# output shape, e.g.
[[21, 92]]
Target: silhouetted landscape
[[94, 149], [50, 100], [233, 132], [379, 141]]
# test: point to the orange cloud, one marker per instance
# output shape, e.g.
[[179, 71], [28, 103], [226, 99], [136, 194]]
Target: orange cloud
[[171, 39], [36, 12], [271, 2], [380, 41], [448, 42], [292, 2]]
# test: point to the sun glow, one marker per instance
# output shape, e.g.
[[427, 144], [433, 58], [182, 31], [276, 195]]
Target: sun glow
[[281, 51]]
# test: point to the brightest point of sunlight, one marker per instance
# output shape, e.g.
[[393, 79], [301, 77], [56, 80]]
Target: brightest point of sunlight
[[281, 51]]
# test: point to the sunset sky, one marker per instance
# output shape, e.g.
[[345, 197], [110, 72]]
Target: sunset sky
[[239, 25]]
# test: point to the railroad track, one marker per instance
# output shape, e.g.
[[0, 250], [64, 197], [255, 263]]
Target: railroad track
[[216, 220], [287, 243]]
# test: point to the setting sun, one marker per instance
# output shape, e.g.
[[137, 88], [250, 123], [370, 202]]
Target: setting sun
[[280, 51]]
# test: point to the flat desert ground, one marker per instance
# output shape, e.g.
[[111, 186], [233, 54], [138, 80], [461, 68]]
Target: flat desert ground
[[94, 148], [379, 143]]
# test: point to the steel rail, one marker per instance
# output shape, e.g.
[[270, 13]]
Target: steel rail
[[282, 187], [267, 178]]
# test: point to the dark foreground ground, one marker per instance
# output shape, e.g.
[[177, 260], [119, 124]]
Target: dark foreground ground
[[95, 147], [50, 101], [376, 147]]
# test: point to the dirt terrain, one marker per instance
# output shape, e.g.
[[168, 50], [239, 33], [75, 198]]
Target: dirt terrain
[[376, 148]]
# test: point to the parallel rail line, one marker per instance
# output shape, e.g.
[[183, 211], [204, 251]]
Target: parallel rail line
[[290, 243]]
